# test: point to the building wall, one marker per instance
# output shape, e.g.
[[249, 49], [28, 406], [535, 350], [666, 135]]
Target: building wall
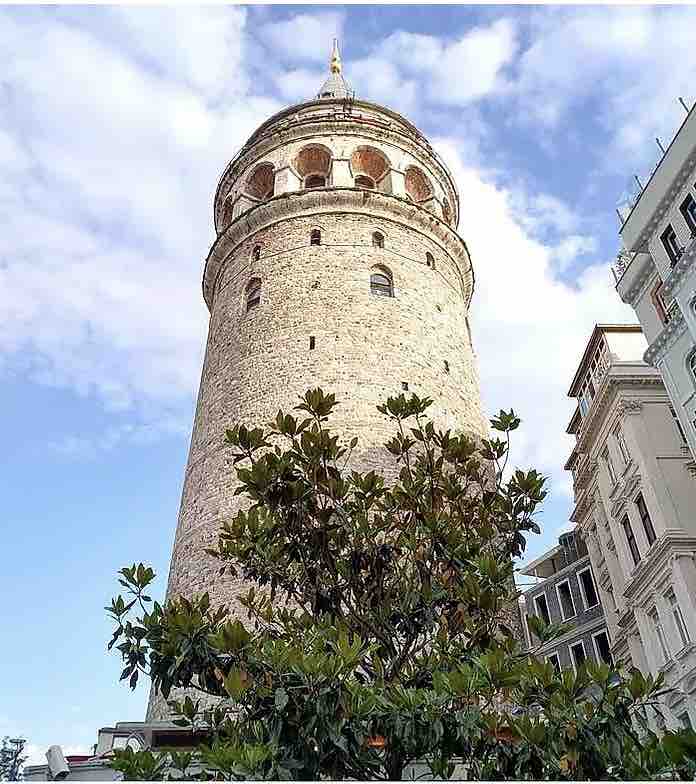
[[657, 469], [671, 334], [585, 622]]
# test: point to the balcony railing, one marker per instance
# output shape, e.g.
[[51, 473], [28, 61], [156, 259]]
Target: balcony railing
[[623, 261]]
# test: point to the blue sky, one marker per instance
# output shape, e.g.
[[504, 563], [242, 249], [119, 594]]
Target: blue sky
[[115, 125]]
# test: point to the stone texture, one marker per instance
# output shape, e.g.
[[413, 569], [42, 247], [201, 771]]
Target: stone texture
[[366, 347]]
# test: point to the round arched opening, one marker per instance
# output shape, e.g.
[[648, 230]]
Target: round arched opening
[[381, 282], [369, 165], [313, 164], [418, 186], [259, 185]]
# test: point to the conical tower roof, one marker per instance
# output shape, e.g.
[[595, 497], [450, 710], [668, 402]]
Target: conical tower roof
[[335, 86]]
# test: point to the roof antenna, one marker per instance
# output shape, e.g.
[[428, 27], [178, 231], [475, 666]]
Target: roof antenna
[[686, 108], [659, 144]]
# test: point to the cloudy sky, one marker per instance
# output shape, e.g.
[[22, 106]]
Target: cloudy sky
[[115, 124]]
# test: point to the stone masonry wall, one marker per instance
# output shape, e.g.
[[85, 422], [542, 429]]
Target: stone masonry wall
[[366, 348]]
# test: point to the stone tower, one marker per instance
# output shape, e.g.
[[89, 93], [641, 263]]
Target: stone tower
[[336, 264]]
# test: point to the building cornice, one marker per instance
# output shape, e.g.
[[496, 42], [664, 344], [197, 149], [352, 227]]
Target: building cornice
[[604, 398], [642, 281], [676, 277], [677, 182], [674, 543], [600, 622], [542, 580], [323, 201], [666, 339], [298, 127]]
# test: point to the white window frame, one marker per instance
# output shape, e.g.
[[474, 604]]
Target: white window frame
[[548, 608], [582, 588], [659, 631], [558, 658], [565, 618], [570, 652], [621, 442], [598, 655], [677, 617]]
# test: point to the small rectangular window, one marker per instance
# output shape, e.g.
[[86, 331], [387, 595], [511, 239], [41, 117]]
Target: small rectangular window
[[660, 634], [587, 587], [602, 648], [565, 600], [688, 211], [542, 608], [312, 342], [404, 386], [554, 659], [678, 617], [631, 540], [577, 654], [645, 519], [446, 366], [671, 244]]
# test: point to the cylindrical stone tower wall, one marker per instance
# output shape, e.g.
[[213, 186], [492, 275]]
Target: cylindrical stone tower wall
[[306, 249]]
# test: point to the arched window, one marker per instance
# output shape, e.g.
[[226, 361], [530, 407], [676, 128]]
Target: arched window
[[260, 182], [313, 164], [314, 181], [378, 239], [370, 166], [315, 237], [430, 260], [256, 253], [253, 294], [381, 284], [417, 184]]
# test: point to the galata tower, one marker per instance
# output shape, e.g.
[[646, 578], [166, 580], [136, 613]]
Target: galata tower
[[336, 264]]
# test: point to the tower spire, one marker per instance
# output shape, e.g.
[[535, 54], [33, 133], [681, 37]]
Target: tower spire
[[335, 85], [335, 63]]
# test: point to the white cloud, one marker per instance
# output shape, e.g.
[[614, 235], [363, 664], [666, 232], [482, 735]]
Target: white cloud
[[106, 200], [307, 37], [633, 62], [529, 328], [299, 84], [456, 72]]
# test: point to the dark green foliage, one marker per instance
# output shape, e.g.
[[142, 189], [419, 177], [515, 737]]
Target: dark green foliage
[[377, 630]]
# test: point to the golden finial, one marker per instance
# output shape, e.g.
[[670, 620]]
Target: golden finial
[[335, 58]]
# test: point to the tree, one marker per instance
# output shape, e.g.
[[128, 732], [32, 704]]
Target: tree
[[378, 626], [11, 758]]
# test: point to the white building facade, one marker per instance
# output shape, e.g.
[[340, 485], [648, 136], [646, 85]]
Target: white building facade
[[656, 272], [635, 507]]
